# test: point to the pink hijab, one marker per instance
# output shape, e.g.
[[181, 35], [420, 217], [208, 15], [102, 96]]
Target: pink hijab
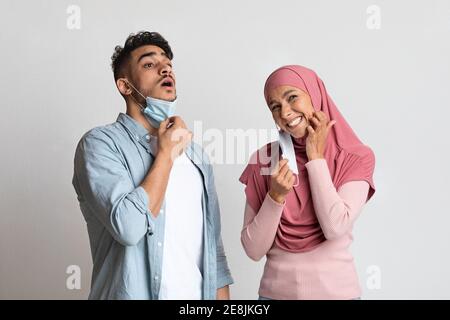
[[347, 157]]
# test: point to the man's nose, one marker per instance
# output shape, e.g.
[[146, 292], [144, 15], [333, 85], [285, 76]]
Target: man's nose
[[165, 70]]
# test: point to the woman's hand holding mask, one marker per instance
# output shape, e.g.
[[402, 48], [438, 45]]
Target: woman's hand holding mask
[[281, 182]]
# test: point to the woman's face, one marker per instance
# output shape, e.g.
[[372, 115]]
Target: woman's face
[[291, 108]]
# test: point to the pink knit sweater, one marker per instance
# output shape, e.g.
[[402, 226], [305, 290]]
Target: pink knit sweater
[[327, 271]]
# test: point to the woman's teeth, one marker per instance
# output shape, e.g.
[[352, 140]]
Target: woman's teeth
[[294, 122]]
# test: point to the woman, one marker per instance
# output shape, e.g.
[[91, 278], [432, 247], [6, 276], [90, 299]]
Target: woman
[[304, 228]]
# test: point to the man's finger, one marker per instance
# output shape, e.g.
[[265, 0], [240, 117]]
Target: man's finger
[[175, 119], [163, 125]]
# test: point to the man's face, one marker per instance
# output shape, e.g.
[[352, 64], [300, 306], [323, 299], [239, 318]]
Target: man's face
[[151, 73]]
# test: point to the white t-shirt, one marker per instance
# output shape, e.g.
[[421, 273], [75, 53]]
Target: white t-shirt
[[183, 238]]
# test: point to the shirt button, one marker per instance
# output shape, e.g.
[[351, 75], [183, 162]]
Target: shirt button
[[156, 277], [159, 244], [147, 137], [161, 211]]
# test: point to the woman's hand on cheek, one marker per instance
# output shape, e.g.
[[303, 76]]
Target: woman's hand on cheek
[[318, 129]]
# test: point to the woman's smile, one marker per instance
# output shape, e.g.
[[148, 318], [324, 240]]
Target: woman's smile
[[295, 122]]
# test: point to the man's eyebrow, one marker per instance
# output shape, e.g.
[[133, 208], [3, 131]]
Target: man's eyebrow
[[148, 54], [151, 54]]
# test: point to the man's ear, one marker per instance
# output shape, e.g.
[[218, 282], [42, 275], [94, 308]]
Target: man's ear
[[123, 86]]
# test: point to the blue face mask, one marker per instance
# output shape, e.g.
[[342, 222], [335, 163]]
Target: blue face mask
[[157, 110]]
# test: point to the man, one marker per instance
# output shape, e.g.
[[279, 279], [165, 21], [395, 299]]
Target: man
[[147, 192]]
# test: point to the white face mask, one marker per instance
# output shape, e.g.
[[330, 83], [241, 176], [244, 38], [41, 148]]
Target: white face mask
[[288, 152]]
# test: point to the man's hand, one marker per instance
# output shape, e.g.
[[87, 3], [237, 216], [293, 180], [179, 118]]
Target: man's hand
[[223, 293], [173, 137]]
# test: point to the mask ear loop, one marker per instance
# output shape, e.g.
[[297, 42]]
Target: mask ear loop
[[298, 180], [142, 107]]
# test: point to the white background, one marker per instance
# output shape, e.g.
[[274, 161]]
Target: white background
[[391, 84]]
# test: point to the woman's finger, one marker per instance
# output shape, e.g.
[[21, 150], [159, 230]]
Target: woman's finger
[[321, 115], [331, 124], [324, 119], [292, 180], [280, 164], [288, 175], [315, 121], [283, 170], [321, 121], [310, 130], [316, 114], [289, 182], [283, 162]]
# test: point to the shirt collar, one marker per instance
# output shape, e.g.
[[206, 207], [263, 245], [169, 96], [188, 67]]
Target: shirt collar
[[135, 128], [140, 134]]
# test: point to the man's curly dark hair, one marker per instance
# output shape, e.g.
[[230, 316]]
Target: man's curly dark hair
[[121, 55]]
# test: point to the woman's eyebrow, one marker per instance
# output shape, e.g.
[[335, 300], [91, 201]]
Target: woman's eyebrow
[[287, 92]]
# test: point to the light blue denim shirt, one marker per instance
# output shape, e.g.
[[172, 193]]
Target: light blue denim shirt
[[126, 240]]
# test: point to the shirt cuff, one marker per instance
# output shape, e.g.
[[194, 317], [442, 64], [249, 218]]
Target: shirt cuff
[[224, 280], [140, 199], [272, 204]]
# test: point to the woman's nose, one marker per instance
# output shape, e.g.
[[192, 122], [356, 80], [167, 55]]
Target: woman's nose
[[285, 111]]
